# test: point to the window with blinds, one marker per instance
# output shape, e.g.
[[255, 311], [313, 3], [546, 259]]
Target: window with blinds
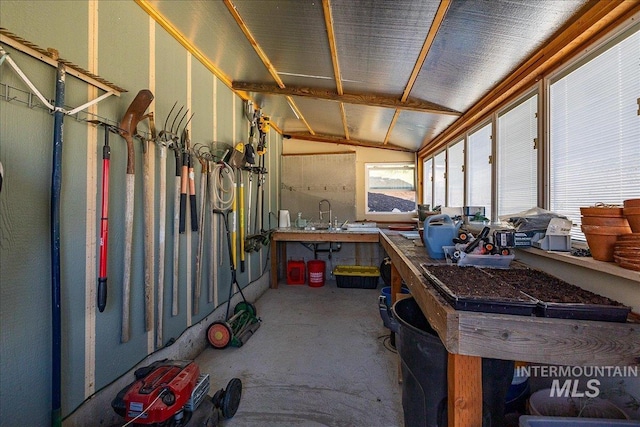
[[594, 129], [455, 174], [479, 168], [427, 180], [439, 181], [517, 157]]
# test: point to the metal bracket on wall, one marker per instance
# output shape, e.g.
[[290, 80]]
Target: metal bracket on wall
[[13, 94], [50, 57]]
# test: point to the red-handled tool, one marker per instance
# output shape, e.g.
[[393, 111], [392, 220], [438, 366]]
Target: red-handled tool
[[104, 217]]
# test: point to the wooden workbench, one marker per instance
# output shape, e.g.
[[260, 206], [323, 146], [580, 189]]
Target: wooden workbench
[[470, 336], [279, 251]]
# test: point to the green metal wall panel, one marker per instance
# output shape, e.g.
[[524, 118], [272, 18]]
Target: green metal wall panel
[[123, 43], [202, 125], [25, 280], [171, 87]]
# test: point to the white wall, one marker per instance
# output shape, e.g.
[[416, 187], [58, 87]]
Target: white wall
[[363, 155]]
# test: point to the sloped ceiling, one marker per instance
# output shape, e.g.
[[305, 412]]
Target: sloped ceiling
[[388, 74]]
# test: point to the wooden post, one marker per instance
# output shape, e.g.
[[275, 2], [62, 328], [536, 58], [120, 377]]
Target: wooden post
[[274, 264], [464, 380], [396, 283]]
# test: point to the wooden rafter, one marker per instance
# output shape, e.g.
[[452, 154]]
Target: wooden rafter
[[328, 23], [186, 43], [428, 41], [254, 43], [337, 140], [372, 100], [422, 56], [264, 58], [584, 29]]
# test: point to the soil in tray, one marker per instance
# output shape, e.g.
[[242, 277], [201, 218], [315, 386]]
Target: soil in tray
[[471, 282], [547, 288]]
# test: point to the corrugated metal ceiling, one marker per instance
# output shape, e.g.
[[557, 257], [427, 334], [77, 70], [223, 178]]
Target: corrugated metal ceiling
[[390, 65]]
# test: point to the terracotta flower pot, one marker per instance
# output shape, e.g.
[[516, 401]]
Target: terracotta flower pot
[[608, 221], [634, 223], [633, 217], [604, 229], [602, 240], [601, 211], [632, 203]]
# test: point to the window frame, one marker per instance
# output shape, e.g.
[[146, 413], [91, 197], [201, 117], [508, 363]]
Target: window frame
[[369, 165]]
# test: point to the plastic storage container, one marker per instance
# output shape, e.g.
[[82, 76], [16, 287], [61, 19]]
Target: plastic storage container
[[539, 421], [386, 294], [476, 260], [316, 268], [437, 234], [356, 276], [424, 373], [296, 272]]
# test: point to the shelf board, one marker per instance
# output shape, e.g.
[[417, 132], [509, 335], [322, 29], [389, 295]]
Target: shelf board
[[587, 262]]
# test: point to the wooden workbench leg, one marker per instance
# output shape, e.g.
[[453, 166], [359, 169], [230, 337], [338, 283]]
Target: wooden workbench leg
[[274, 264], [464, 380], [396, 283]]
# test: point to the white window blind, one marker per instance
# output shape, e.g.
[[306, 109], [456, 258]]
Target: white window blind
[[455, 174], [479, 168], [427, 179], [439, 183], [517, 158], [595, 130]]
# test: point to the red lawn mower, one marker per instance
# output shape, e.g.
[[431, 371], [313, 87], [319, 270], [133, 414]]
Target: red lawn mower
[[171, 393]]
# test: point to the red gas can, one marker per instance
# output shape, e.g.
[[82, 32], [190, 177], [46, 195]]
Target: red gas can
[[296, 273]]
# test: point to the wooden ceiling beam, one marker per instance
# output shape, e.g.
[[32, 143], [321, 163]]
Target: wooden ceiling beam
[[254, 43], [328, 23], [337, 140], [372, 100], [428, 41], [422, 56]]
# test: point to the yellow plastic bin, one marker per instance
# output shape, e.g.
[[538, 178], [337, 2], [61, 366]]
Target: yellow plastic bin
[[356, 276]]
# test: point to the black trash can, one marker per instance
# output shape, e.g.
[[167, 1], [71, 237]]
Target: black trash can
[[424, 373]]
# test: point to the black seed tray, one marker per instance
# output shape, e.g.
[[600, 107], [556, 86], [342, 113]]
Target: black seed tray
[[604, 313], [522, 306]]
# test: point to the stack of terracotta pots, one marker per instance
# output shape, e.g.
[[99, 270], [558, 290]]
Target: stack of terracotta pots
[[601, 225], [627, 248], [631, 212]]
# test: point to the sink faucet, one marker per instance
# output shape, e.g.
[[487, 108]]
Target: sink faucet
[[322, 212]]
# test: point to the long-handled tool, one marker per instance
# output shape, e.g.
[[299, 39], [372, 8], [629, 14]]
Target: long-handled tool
[[147, 208], [204, 163], [128, 125], [241, 224], [187, 183], [213, 253], [235, 330], [177, 148], [104, 217], [236, 161], [163, 140], [193, 209]]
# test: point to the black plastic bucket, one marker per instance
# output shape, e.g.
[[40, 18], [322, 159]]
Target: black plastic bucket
[[424, 373]]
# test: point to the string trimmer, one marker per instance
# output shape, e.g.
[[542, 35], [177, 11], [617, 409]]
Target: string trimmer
[[237, 329]]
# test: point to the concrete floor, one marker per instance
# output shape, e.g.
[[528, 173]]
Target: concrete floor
[[318, 359]]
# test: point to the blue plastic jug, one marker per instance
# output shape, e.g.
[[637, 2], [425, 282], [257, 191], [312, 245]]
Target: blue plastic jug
[[439, 234]]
